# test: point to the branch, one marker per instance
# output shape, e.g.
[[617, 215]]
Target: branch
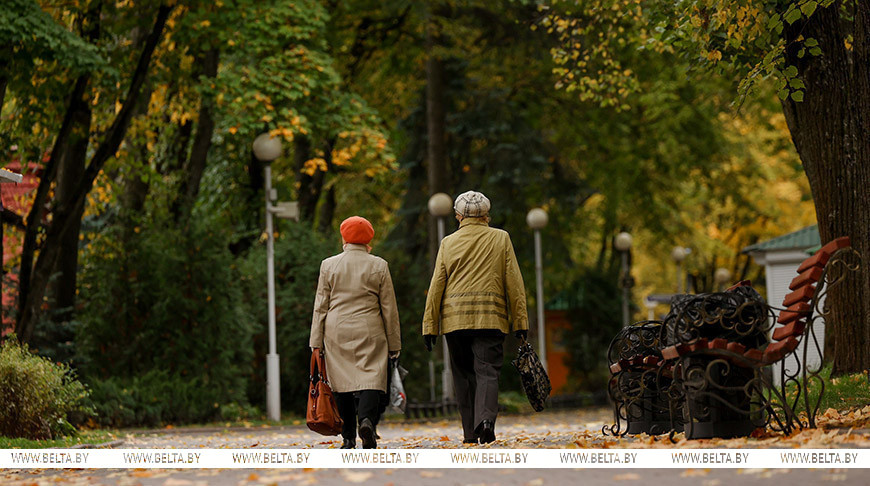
[[63, 219], [118, 129]]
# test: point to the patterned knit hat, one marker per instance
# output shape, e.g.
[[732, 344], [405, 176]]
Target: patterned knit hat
[[471, 204]]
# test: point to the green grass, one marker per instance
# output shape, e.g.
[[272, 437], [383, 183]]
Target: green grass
[[88, 437], [841, 393]]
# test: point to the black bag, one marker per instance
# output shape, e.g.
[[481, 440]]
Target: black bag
[[534, 378]]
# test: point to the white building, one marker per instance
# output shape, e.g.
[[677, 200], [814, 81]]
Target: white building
[[781, 257]]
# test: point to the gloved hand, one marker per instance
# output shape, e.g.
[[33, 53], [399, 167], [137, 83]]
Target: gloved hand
[[522, 335], [429, 341]]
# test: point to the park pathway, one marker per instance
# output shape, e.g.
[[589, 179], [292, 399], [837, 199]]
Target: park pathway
[[559, 429]]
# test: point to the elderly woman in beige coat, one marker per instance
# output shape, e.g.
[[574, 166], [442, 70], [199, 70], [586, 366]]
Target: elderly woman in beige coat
[[356, 324]]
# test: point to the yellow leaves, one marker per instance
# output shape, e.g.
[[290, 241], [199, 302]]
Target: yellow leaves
[[233, 130], [714, 55], [284, 132], [118, 106], [204, 23], [311, 166], [231, 42]]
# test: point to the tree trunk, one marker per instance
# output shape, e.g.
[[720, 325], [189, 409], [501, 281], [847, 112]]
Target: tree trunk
[[436, 157], [63, 219], [327, 209], [831, 132], [34, 217], [3, 83], [195, 166], [310, 186], [70, 172], [132, 200]]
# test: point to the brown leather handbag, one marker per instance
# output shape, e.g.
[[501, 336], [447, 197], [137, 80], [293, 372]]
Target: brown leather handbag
[[322, 415]]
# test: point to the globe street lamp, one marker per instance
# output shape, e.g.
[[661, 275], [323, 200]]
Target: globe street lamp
[[5, 176], [440, 207], [266, 149], [721, 277], [537, 219], [678, 254], [623, 244]]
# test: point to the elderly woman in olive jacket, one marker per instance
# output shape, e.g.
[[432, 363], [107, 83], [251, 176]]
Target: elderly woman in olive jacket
[[475, 298], [356, 323]]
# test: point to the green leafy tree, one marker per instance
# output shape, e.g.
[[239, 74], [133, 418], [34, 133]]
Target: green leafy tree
[[817, 54]]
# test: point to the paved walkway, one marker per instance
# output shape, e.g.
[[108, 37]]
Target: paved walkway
[[561, 429]]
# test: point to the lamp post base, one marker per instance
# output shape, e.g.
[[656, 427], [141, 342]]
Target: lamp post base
[[273, 388]]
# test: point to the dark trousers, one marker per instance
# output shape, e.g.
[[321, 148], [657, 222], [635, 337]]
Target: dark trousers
[[362, 404], [475, 360]]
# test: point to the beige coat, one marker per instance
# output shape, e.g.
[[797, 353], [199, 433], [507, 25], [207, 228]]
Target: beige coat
[[477, 283], [356, 320]]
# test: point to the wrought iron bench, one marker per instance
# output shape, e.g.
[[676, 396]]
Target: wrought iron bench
[[704, 369]]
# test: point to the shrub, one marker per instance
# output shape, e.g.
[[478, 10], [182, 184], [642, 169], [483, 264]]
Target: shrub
[[37, 395], [164, 332], [158, 397]]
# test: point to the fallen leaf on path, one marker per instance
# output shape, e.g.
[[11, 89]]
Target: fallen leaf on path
[[626, 477], [688, 473], [355, 476], [177, 482]]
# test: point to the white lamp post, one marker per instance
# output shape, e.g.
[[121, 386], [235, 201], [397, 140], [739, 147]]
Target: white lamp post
[[440, 207], [650, 308], [623, 244], [266, 149], [537, 219], [721, 277], [678, 254]]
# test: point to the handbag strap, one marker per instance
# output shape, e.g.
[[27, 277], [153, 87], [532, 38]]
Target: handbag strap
[[318, 366]]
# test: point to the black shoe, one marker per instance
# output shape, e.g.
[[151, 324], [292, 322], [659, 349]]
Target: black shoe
[[348, 444], [367, 434], [487, 432], [469, 441]]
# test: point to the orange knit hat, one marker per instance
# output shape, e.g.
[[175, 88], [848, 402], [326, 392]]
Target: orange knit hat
[[357, 230]]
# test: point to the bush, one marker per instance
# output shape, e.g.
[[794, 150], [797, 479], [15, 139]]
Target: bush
[[37, 396], [164, 335], [158, 397], [595, 319]]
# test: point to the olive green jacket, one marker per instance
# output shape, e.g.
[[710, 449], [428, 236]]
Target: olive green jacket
[[477, 283]]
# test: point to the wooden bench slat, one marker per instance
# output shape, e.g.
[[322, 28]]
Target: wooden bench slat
[[820, 259], [778, 350], [834, 245], [736, 348], [620, 365], [699, 344], [754, 354], [794, 328], [675, 351], [808, 277], [793, 313], [718, 343], [803, 294]]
